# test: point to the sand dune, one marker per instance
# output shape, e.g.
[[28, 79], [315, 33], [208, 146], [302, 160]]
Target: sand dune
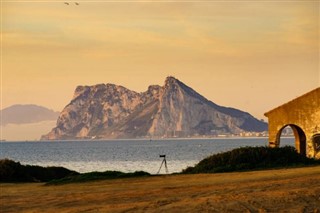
[[285, 190]]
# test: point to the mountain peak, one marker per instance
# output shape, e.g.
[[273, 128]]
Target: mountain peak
[[172, 84], [171, 80]]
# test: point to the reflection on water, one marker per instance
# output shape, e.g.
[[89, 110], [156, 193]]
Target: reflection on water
[[124, 155]]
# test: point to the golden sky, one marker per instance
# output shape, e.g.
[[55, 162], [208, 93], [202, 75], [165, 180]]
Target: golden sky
[[251, 55]]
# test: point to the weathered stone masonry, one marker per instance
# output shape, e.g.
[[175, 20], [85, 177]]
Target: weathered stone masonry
[[303, 116]]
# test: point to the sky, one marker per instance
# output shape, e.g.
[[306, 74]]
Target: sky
[[250, 55]]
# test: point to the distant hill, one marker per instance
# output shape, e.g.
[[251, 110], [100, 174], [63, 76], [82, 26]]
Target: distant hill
[[172, 110], [24, 114]]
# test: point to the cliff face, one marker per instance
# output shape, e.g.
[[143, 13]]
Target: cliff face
[[173, 110]]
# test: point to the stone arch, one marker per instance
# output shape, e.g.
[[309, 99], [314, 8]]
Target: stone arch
[[303, 115], [299, 135]]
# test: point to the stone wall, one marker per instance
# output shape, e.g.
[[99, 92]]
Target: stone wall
[[302, 113]]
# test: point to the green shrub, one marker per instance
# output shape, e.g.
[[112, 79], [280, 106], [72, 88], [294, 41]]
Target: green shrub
[[11, 171], [249, 158], [98, 176]]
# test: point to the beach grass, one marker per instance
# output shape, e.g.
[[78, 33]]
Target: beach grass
[[277, 190], [93, 176]]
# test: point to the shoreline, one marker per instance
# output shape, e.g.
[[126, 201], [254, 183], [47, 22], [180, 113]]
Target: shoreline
[[142, 139]]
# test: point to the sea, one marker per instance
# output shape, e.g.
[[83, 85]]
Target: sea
[[125, 155]]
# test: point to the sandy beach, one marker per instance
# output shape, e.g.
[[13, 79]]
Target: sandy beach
[[283, 190]]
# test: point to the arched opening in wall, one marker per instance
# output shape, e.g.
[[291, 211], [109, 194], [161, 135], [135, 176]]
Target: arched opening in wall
[[316, 143], [293, 135], [286, 137]]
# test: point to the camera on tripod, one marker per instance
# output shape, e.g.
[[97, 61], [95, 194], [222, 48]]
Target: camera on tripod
[[163, 162]]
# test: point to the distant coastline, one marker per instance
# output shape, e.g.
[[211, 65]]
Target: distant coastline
[[144, 139]]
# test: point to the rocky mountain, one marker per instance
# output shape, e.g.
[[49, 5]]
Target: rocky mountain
[[23, 114], [173, 110]]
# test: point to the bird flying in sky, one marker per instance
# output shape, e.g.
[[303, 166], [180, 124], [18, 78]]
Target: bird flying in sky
[[76, 3]]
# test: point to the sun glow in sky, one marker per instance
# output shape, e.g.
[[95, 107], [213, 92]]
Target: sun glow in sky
[[251, 55]]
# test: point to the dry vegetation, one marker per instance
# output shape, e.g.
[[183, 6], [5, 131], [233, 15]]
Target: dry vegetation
[[283, 190]]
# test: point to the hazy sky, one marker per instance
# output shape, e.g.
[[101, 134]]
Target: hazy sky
[[251, 55]]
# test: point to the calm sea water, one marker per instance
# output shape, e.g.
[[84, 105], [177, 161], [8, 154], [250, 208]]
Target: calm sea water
[[124, 155]]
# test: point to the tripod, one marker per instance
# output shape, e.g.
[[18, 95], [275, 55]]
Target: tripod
[[163, 162]]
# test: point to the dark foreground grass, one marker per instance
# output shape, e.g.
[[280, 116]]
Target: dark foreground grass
[[11, 171], [251, 158], [14, 172], [91, 176]]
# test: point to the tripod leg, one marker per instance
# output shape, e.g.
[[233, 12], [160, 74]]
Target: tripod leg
[[160, 166], [165, 164]]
